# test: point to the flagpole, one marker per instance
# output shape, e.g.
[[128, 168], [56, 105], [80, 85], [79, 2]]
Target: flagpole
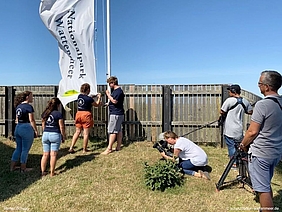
[[108, 41]]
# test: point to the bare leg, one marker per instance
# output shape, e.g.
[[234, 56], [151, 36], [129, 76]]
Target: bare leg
[[86, 132], [44, 161], [53, 160], [119, 140], [266, 201], [112, 139], [75, 137]]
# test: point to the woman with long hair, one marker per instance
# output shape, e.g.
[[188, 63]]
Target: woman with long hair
[[53, 134], [25, 130]]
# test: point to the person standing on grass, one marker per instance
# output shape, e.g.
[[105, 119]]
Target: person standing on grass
[[53, 134], [116, 115], [25, 130], [264, 136], [192, 158], [233, 108], [83, 117]]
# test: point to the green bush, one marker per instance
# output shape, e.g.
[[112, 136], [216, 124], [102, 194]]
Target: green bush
[[162, 175]]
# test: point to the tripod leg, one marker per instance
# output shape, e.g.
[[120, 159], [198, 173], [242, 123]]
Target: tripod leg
[[245, 173], [225, 173]]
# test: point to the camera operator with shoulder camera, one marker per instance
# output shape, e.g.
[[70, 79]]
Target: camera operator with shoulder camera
[[163, 147], [192, 158]]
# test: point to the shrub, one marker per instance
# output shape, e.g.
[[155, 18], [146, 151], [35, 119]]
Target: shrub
[[162, 175]]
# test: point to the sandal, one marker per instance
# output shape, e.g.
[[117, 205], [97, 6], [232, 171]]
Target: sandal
[[85, 151], [107, 151], [44, 174], [71, 151]]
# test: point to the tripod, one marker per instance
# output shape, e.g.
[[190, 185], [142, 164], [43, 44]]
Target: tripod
[[243, 177]]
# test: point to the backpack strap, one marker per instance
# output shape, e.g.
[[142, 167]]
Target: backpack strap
[[275, 100], [239, 101]]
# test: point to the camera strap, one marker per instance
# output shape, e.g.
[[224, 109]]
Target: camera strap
[[275, 100], [239, 101]]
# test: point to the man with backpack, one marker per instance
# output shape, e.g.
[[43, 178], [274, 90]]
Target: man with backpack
[[232, 111]]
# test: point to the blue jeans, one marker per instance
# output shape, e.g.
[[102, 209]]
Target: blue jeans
[[188, 167], [24, 134], [51, 141], [230, 142]]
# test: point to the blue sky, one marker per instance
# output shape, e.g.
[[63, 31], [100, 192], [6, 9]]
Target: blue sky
[[154, 42]]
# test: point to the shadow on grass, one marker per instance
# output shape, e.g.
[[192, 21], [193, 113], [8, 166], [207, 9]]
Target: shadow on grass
[[13, 183], [74, 162], [277, 199]]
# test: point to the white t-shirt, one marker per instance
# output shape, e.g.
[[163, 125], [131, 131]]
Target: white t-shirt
[[190, 150], [233, 126]]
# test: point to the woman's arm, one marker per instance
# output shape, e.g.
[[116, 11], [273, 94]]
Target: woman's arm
[[62, 129], [33, 123], [98, 101]]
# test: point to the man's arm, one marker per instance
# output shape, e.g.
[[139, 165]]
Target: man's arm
[[250, 135]]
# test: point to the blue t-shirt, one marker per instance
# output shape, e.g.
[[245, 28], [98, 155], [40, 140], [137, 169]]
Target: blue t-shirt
[[84, 103], [117, 109], [22, 112], [52, 122]]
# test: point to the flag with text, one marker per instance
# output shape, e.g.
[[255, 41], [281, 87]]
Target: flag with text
[[71, 22]]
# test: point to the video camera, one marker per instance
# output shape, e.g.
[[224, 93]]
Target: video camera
[[162, 146]]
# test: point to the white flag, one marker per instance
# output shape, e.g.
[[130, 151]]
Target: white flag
[[71, 22]]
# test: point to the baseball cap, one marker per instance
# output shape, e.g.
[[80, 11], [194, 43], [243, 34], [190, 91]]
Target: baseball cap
[[235, 88]]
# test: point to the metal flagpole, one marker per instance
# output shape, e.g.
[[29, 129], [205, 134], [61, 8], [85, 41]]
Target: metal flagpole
[[108, 42]]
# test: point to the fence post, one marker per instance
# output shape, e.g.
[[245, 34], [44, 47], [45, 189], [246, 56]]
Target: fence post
[[167, 108], [10, 112], [224, 96]]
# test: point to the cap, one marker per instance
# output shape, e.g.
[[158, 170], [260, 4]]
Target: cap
[[161, 137], [234, 88]]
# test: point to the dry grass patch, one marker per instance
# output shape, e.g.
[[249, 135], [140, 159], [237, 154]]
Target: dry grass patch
[[94, 182]]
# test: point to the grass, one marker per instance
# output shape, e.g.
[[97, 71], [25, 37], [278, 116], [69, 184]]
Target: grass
[[94, 182]]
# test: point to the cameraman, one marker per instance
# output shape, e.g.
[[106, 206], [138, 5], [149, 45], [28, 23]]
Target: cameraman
[[163, 147], [192, 158], [232, 111]]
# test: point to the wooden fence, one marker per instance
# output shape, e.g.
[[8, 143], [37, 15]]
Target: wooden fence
[[149, 110]]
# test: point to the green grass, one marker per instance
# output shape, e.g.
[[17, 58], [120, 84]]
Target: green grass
[[94, 182]]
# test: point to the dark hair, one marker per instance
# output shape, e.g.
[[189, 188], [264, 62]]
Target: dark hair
[[21, 97], [113, 79], [51, 106], [84, 88], [272, 78]]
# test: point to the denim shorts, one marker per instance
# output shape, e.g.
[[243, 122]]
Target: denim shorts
[[51, 141], [261, 172]]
